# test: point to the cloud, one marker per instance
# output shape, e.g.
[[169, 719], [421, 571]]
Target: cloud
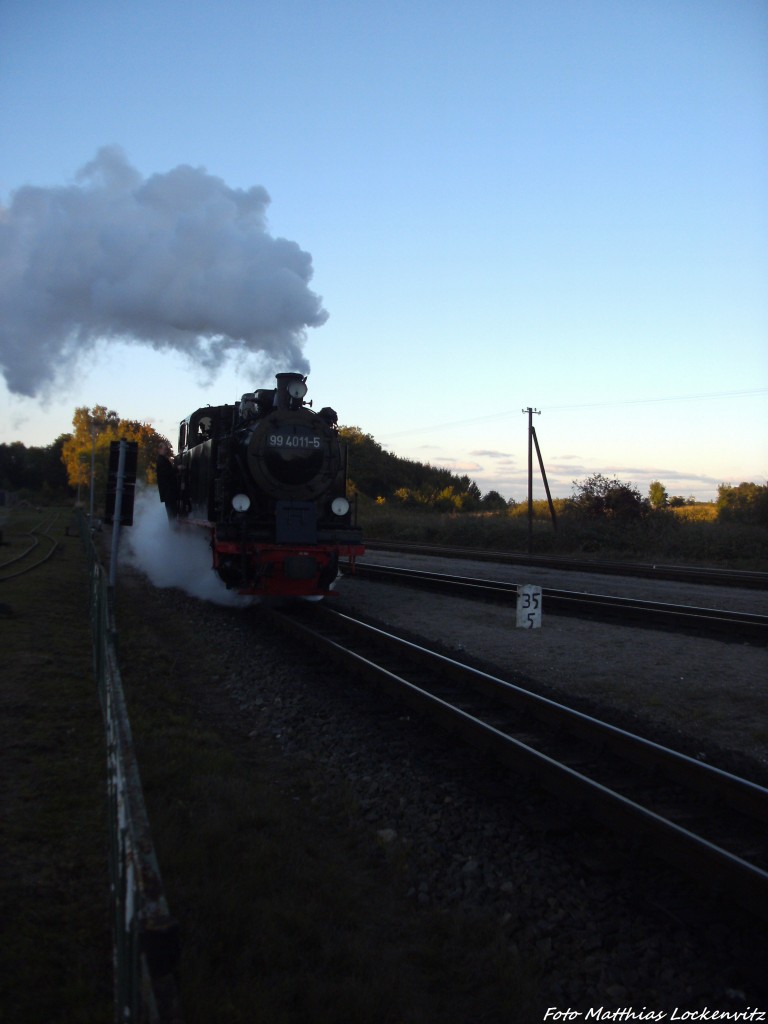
[[567, 469], [459, 465], [490, 453], [664, 475], [178, 261]]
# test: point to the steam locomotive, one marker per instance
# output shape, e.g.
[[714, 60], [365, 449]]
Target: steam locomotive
[[267, 477]]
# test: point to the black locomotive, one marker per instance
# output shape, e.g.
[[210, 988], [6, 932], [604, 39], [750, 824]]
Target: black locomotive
[[267, 477]]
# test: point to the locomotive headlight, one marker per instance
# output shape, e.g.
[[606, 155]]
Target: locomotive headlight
[[241, 503], [340, 506], [297, 389]]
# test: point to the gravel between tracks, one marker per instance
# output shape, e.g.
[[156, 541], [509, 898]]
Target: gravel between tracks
[[699, 693], [604, 927]]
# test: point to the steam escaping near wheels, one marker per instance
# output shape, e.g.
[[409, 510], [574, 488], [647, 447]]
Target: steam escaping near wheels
[[173, 558]]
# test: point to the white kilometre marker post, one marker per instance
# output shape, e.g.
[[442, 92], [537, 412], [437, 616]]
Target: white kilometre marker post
[[528, 607]]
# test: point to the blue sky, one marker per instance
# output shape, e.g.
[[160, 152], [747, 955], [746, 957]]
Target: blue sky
[[557, 204]]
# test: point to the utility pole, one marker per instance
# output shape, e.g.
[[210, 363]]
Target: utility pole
[[531, 413], [532, 439]]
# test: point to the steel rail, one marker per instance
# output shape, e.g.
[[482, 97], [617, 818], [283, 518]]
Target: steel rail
[[680, 768], [657, 570], [39, 531], [17, 558], [744, 881], [738, 624]]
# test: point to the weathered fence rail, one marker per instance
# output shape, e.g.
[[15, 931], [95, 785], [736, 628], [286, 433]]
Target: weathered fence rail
[[146, 936]]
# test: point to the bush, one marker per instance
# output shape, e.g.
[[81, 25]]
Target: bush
[[663, 536], [598, 496], [747, 503]]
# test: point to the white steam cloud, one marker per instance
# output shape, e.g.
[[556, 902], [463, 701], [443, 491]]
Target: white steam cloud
[[172, 558], [179, 261]]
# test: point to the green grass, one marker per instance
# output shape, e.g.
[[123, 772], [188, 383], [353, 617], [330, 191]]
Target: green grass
[[55, 944]]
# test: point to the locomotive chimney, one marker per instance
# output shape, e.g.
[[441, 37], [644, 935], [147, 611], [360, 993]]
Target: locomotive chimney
[[290, 390]]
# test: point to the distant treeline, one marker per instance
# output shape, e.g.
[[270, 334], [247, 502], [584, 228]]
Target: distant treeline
[[375, 474], [390, 480], [385, 477], [64, 467], [34, 470]]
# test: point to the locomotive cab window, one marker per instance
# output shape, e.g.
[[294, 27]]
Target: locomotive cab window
[[199, 428]]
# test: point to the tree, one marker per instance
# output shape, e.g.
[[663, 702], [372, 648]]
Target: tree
[[94, 430], [493, 502], [600, 497], [745, 503], [15, 467], [33, 469], [380, 474], [657, 494], [471, 495]]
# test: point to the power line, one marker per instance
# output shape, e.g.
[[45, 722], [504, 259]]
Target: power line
[[668, 398], [585, 405]]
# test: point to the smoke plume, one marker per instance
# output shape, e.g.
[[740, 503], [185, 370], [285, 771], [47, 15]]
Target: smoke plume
[[173, 558], [179, 261]]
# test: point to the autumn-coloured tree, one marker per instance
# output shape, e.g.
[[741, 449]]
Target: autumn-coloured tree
[[93, 432]]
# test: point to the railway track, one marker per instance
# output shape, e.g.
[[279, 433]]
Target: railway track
[[23, 555], [681, 573], [735, 625], [705, 821]]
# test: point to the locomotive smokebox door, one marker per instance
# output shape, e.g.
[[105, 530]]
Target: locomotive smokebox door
[[295, 522]]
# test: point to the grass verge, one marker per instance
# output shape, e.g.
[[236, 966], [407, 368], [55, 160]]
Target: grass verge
[[661, 537], [55, 942]]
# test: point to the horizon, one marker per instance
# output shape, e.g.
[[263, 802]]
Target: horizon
[[643, 481]]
